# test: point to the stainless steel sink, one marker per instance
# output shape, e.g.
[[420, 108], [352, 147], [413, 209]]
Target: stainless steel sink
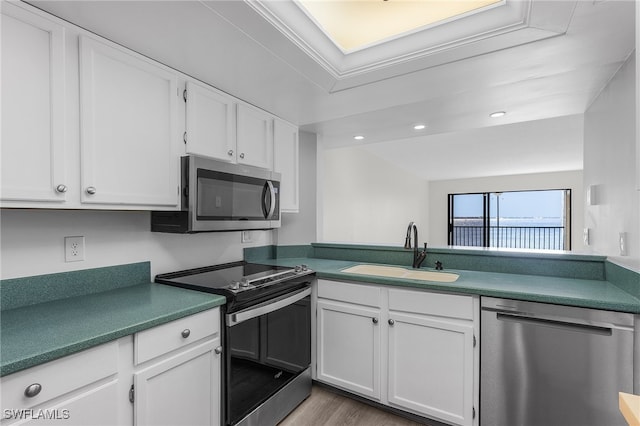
[[398, 272]]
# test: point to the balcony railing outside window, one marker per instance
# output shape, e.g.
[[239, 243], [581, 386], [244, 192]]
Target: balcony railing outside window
[[526, 237], [539, 220]]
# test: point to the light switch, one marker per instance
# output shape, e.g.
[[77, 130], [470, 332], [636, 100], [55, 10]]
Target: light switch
[[591, 195], [623, 243]]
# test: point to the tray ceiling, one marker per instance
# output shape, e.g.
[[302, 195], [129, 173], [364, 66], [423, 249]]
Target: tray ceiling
[[495, 26]]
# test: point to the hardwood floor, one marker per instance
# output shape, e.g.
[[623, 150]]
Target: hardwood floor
[[326, 408]]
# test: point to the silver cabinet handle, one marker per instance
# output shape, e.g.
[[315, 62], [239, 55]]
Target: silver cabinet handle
[[32, 390], [242, 155], [61, 188], [230, 152], [186, 333], [218, 350], [91, 190], [391, 322], [375, 320]]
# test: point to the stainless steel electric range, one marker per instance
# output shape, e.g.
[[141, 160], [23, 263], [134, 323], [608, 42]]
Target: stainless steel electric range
[[267, 336]]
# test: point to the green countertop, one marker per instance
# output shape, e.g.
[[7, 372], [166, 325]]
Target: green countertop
[[37, 333], [586, 293]]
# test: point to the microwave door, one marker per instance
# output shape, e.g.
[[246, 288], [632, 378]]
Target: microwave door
[[268, 199]]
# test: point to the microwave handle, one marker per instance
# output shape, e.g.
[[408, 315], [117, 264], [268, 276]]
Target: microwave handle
[[272, 204]]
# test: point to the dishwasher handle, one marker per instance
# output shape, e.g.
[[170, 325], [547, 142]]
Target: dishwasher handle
[[523, 319]]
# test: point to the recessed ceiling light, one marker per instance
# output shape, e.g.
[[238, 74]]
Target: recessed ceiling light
[[358, 138], [497, 114], [419, 127]]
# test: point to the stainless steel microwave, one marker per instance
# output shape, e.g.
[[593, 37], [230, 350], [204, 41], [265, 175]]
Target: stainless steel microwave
[[219, 196]]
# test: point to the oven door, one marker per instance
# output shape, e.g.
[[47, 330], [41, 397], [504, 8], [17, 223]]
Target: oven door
[[268, 347]]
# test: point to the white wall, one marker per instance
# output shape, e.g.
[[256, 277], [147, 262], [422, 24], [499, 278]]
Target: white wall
[[610, 164], [368, 200], [300, 228], [439, 190], [32, 242]]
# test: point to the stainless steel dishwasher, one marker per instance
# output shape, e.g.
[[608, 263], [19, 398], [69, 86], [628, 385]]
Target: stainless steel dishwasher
[[544, 365]]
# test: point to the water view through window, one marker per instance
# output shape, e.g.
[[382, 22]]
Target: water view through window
[[514, 219]]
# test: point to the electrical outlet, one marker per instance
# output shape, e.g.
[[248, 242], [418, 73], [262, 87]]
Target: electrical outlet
[[246, 236], [73, 249]]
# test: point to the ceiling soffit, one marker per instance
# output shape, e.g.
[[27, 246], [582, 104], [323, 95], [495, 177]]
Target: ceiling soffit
[[502, 25]]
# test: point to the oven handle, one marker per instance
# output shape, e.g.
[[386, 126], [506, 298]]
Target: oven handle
[[268, 307]]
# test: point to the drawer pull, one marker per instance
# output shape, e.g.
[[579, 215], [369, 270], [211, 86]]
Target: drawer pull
[[32, 390], [186, 333]]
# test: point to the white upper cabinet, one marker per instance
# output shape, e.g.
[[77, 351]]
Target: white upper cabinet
[[33, 107], [128, 108], [254, 137], [285, 162], [210, 123], [89, 124]]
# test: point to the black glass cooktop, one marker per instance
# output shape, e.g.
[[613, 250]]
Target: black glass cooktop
[[242, 283]]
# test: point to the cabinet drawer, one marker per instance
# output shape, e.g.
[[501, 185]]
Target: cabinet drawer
[[437, 304], [354, 293], [165, 338], [60, 376]]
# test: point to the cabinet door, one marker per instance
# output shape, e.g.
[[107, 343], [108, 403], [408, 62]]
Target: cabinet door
[[285, 162], [254, 139], [181, 390], [349, 347], [210, 123], [431, 366], [128, 106], [33, 107]]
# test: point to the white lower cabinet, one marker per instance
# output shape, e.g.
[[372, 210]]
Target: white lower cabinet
[[79, 389], [349, 347], [181, 389], [179, 385], [175, 382], [412, 350]]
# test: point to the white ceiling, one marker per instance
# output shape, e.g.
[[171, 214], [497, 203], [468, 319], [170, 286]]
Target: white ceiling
[[552, 65]]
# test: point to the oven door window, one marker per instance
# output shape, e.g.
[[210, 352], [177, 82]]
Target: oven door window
[[265, 354], [223, 196]]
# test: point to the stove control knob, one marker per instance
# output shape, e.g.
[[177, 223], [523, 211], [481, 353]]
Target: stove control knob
[[244, 282], [304, 267], [298, 268], [235, 285]]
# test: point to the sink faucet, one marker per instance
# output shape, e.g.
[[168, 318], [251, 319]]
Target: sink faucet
[[418, 256]]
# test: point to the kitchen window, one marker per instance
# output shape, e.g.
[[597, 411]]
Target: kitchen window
[[539, 220]]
